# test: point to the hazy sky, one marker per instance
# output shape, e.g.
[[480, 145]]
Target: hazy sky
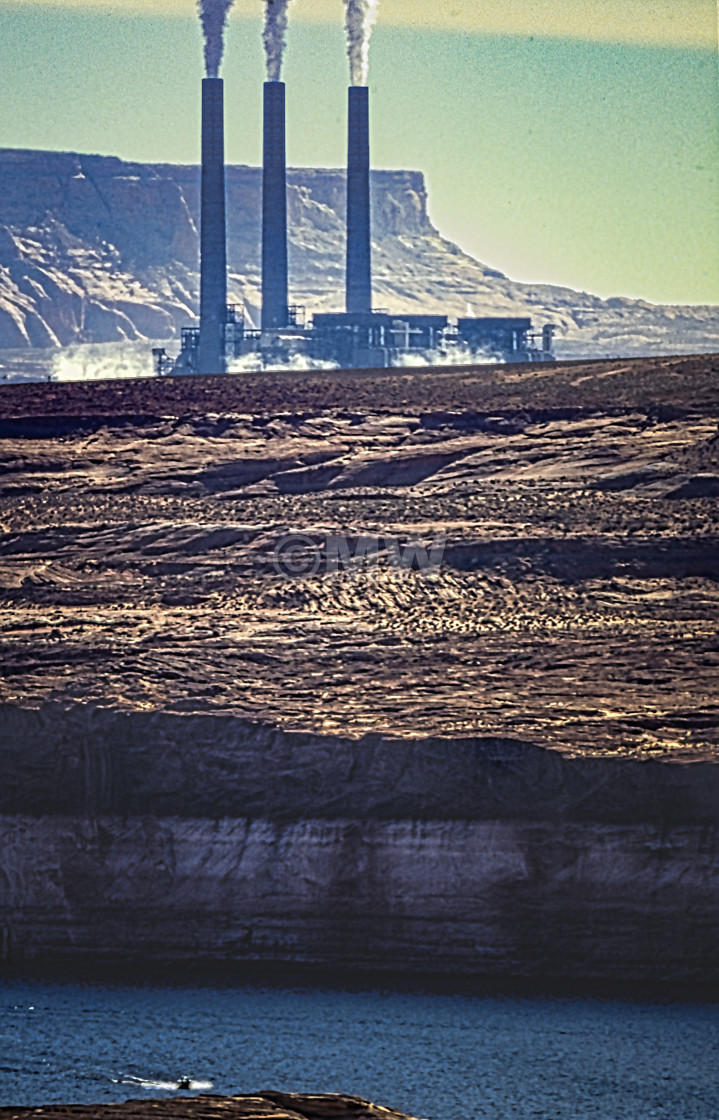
[[571, 141]]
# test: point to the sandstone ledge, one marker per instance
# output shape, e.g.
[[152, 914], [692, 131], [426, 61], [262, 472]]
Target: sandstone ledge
[[265, 1105]]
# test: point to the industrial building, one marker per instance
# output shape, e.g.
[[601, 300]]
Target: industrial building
[[210, 346], [360, 336]]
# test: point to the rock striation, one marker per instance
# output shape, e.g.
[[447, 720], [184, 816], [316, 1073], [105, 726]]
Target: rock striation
[[129, 837], [502, 766], [95, 249]]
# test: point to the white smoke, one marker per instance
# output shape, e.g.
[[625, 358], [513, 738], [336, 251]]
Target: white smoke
[[360, 18], [274, 36], [213, 17], [451, 356], [96, 361], [299, 363]]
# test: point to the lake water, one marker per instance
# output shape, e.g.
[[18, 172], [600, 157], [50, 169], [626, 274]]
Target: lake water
[[446, 1057]]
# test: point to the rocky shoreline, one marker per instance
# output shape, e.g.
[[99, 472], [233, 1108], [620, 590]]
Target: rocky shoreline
[[265, 1105]]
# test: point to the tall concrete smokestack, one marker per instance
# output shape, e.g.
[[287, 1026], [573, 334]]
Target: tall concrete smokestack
[[275, 311], [213, 244], [359, 267]]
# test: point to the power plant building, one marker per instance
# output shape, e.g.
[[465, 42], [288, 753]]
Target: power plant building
[[357, 337]]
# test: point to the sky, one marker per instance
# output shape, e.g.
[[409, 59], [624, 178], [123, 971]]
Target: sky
[[563, 141]]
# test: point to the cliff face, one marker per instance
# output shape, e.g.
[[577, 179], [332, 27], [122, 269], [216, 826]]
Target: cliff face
[[502, 763], [482, 898], [92, 762], [152, 837], [93, 249]]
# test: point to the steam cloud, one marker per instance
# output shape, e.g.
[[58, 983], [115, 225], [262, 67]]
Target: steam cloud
[[360, 18], [274, 36], [452, 356], [254, 363], [100, 360], [213, 16]]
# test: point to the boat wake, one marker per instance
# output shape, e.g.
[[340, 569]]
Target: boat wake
[[181, 1084]]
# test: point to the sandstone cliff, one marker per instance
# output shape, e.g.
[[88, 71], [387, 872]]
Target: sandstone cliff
[[505, 766], [132, 836], [94, 249]]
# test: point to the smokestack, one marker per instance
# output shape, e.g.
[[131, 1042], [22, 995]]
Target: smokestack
[[213, 247], [359, 268], [275, 311]]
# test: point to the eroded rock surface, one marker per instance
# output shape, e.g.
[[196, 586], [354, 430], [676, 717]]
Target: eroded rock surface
[[503, 763], [575, 605], [266, 1105]]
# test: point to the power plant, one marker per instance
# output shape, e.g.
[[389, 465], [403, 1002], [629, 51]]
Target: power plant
[[359, 336], [359, 239], [275, 283], [211, 356]]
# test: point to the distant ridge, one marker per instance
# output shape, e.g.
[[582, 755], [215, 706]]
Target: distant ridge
[[96, 249]]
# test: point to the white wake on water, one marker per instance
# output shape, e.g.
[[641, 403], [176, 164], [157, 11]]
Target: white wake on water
[[179, 1085]]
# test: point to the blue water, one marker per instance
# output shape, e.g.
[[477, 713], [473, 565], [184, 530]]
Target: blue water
[[446, 1057]]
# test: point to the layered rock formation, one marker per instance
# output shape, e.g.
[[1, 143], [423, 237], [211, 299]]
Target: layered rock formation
[[502, 765], [93, 249], [153, 838]]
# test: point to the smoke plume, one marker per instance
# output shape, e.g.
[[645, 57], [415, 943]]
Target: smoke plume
[[274, 36], [213, 16], [360, 17], [253, 363], [100, 360]]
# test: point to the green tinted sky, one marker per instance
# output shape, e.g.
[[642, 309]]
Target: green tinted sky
[[572, 160]]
